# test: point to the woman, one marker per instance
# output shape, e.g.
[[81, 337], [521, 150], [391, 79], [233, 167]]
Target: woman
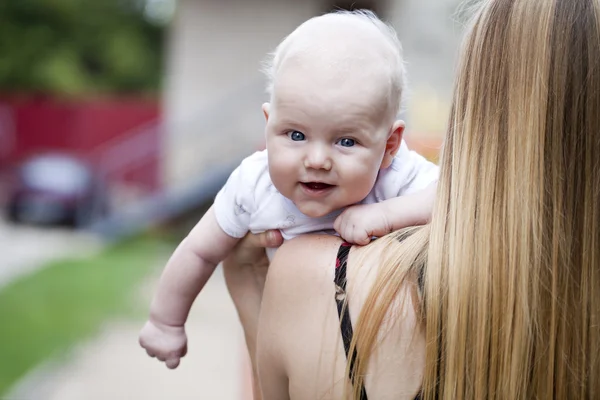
[[499, 296]]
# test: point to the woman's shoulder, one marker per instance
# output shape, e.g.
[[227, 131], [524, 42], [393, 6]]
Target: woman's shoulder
[[305, 267], [304, 244], [311, 259], [300, 321], [305, 260]]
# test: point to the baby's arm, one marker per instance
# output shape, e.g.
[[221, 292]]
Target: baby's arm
[[359, 223], [185, 274]]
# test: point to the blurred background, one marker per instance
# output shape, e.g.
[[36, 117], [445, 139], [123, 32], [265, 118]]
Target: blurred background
[[119, 122]]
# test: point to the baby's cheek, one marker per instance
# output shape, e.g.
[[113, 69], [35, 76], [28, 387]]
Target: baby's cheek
[[280, 165], [281, 176], [364, 174], [360, 181]]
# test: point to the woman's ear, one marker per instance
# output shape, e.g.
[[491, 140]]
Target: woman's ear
[[265, 109], [393, 144]]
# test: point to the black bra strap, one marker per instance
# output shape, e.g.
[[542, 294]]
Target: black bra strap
[[343, 313]]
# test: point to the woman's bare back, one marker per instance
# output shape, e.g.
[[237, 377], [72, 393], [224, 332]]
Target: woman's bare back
[[300, 349]]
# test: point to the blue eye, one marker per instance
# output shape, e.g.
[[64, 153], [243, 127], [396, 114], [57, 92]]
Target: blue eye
[[296, 136], [347, 142]]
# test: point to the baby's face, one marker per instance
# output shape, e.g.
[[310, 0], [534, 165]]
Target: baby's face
[[326, 141]]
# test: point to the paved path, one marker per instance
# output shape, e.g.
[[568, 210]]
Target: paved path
[[24, 249], [113, 366]]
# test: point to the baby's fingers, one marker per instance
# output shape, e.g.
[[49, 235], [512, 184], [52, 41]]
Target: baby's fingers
[[356, 236], [362, 240], [337, 224], [149, 350], [173, 363], [172, 360]]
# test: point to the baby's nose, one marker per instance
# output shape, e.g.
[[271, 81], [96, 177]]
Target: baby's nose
[[318, 159]]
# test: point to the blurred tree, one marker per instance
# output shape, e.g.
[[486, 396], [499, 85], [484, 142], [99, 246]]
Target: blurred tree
[[77, 47]]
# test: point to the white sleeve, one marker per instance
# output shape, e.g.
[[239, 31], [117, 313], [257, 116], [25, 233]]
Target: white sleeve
[[418, 171], [235, 202], [410, 172]]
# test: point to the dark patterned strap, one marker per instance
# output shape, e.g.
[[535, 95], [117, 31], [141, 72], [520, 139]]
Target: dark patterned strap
[[347, 332], [343, 312]]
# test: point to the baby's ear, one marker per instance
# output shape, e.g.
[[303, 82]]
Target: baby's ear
[[393, 143], [265, 109]]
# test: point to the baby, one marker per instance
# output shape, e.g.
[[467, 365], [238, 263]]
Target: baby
[[335, 159]]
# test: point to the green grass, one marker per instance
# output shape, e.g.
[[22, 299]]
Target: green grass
[[44, 314]]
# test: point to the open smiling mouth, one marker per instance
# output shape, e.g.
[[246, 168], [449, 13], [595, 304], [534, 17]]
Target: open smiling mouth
[[316, 186]]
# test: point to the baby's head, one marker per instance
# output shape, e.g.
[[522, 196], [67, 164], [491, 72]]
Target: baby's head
[[335, 86]]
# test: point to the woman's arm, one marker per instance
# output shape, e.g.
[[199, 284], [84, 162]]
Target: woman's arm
[[245, 271], [298, 308]]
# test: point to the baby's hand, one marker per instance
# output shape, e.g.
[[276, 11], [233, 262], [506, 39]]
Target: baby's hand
[[167, 343], [358, 224]]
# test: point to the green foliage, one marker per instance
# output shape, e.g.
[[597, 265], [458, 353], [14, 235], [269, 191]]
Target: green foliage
[[43, 314], [75, 47]]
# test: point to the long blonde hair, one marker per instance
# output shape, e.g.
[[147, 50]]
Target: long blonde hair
[[510, 262]]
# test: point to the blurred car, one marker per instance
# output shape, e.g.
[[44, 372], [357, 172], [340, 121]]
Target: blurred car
[[53, 189]]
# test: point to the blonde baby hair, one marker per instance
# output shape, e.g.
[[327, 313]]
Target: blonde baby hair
[[393, 59]]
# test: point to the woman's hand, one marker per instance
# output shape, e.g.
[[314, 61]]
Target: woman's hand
[[245, 271]]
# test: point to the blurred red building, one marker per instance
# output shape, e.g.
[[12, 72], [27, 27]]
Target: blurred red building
[[118, 137]]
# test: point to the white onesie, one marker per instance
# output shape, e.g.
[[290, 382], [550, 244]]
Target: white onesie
[[250, 202]]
